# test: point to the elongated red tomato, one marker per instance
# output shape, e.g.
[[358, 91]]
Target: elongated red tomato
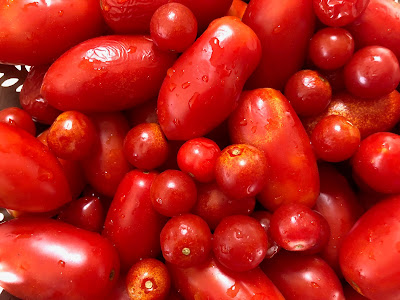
[[132, 224], [203, 86], [108, 73], [266, 120], [370, 254], [284, 28], [106, 167], [31, 178], [44, 259], [35, 32], [211, 280]]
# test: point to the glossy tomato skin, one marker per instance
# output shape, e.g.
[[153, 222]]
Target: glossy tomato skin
[[266, 120], [132, 224], [105, 168], [290, 23], [211, 280], [31, 178], [303, 277], [73, 263], [203, 86], [110, 73], [369, 253], [18, 117], [62, 24]]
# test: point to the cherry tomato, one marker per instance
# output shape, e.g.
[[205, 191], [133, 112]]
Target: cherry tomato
[[31, 178], [45, 29], [265, 119], [173, 27], [240, 243], [186, 240], [148, 279], [132, 224], [203, 86], [110, 73], [369, 253], [73, 263], [18, 117]]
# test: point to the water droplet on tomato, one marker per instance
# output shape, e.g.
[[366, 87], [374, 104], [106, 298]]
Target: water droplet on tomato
[[185, 85], [277, 29], [132, 49], [193, 99], [204, 78], [315, 285], [177, 122], [172, 87], [232, 291], [243, 122], [60, 13], [61, 263], [106, 8], [170, 72], [254, 129]]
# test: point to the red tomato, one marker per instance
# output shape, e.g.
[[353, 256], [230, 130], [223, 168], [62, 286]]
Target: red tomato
[[18, 117], [37, 32], [266, 120], [107, 73], [211, 280], [203, 87], [44, 259], [370, 254], [31, 178], [284, 28], [132, 224]]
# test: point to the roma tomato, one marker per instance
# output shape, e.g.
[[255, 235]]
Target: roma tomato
[[370, 254], [37, 32], [266, 120], [203, 87], [211, 280], [108, 73], [284, 38], [73, 263], [31, 178], [132, 224]]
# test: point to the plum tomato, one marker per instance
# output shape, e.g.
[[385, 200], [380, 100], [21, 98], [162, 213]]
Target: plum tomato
[[213, 205], [186, 240], [296, 227], [18, 117], [173, 27], [145, 146], [197, 157], [369, 254], [339, 13], [372, 72], [49, 259], [377, 162], [303, 277], [72, 136], [241, 171], [86, 212], [264, 217], [331, 48], [31, 177], [173, 192], [148, 279], [32, 101], [308, 92], [240, 243], [335, 139]]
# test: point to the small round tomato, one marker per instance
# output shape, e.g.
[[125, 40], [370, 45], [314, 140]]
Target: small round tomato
[[186, 240], [241, 171], [308, 92], [148, 279], [296, 227], [172, 193], [72, 136], [18, 117], [197, 157], [335, 139], [145, 146], [331, 48], [240, 243], [373, 71], [173, 26]]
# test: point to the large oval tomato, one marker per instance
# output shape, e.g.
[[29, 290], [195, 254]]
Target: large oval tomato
[[31, 178], [35, 32], [370, 254], [44, 259]]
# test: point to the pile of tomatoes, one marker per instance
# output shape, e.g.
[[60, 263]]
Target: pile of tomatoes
[[202, 150]]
